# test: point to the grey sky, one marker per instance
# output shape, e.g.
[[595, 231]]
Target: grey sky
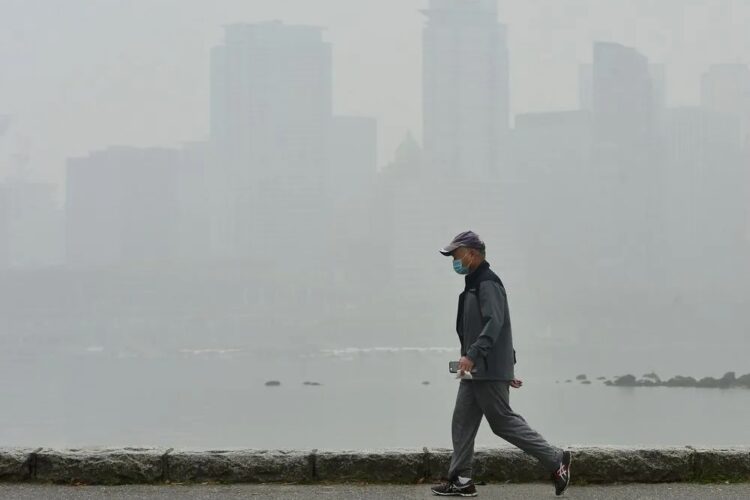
[[79, 75]]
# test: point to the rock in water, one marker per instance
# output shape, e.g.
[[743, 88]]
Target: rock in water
[[680, 381], [313, 383], [426, 382], [273, 383], [626, 381], [728, 380], [744, 380], [581, 377], [708, 383]]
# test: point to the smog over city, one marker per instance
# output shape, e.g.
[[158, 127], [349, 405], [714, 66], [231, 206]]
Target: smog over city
[[207, 208]]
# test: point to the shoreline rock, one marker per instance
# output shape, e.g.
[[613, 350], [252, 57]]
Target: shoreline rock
[[728, 381]]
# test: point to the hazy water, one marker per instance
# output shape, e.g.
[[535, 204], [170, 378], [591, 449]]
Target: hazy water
[[217, 399]]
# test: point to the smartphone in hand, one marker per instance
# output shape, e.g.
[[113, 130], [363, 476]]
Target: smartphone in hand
[[453, 367]]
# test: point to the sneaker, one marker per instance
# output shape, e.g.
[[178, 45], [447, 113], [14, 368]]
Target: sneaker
[[561, 476], [455, 489]]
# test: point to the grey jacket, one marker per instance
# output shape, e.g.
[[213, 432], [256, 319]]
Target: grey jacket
[[483, 325]]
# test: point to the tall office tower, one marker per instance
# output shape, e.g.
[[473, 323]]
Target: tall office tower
[[623, 96], [625, 154], [586, 86], [465, 89], [270, 119]]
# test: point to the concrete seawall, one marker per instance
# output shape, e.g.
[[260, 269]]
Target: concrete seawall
[[166, 465]]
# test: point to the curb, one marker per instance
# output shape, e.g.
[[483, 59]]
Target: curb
[[601, 465]]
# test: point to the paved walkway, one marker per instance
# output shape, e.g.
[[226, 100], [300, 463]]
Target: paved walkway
[[349, 492]]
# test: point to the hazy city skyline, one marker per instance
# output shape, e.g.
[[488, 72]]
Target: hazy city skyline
[[276, 143], [249, 194], [120, 91]]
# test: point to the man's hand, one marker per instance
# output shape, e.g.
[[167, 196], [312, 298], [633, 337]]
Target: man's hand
[[465, 365], [516, 383]]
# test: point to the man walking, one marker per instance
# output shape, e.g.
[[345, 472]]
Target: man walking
[[486, 369]]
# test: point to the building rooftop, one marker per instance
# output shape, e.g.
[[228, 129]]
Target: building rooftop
[[274, 30]]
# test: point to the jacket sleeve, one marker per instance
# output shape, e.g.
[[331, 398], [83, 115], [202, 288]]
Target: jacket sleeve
[[491, 303]]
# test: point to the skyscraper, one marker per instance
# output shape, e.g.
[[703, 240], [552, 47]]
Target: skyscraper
[[623, 96], [270, 119], [657, 73], [625, 158], [465, 89]]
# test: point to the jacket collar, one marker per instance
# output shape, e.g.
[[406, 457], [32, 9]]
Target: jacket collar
[[471, 279]]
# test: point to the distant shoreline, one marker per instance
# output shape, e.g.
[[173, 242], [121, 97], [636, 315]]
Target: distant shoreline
[[728, 381]]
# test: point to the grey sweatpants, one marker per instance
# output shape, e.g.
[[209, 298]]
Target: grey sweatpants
[[491, 399]]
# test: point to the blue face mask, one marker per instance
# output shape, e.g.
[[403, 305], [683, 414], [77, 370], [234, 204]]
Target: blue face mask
[[460, 268]]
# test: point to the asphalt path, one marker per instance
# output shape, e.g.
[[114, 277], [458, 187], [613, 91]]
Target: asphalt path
[[25, 491]]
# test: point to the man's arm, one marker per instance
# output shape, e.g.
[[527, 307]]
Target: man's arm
[[491, 302]]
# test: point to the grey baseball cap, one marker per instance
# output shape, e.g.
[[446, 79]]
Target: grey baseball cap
[[468, 239]]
